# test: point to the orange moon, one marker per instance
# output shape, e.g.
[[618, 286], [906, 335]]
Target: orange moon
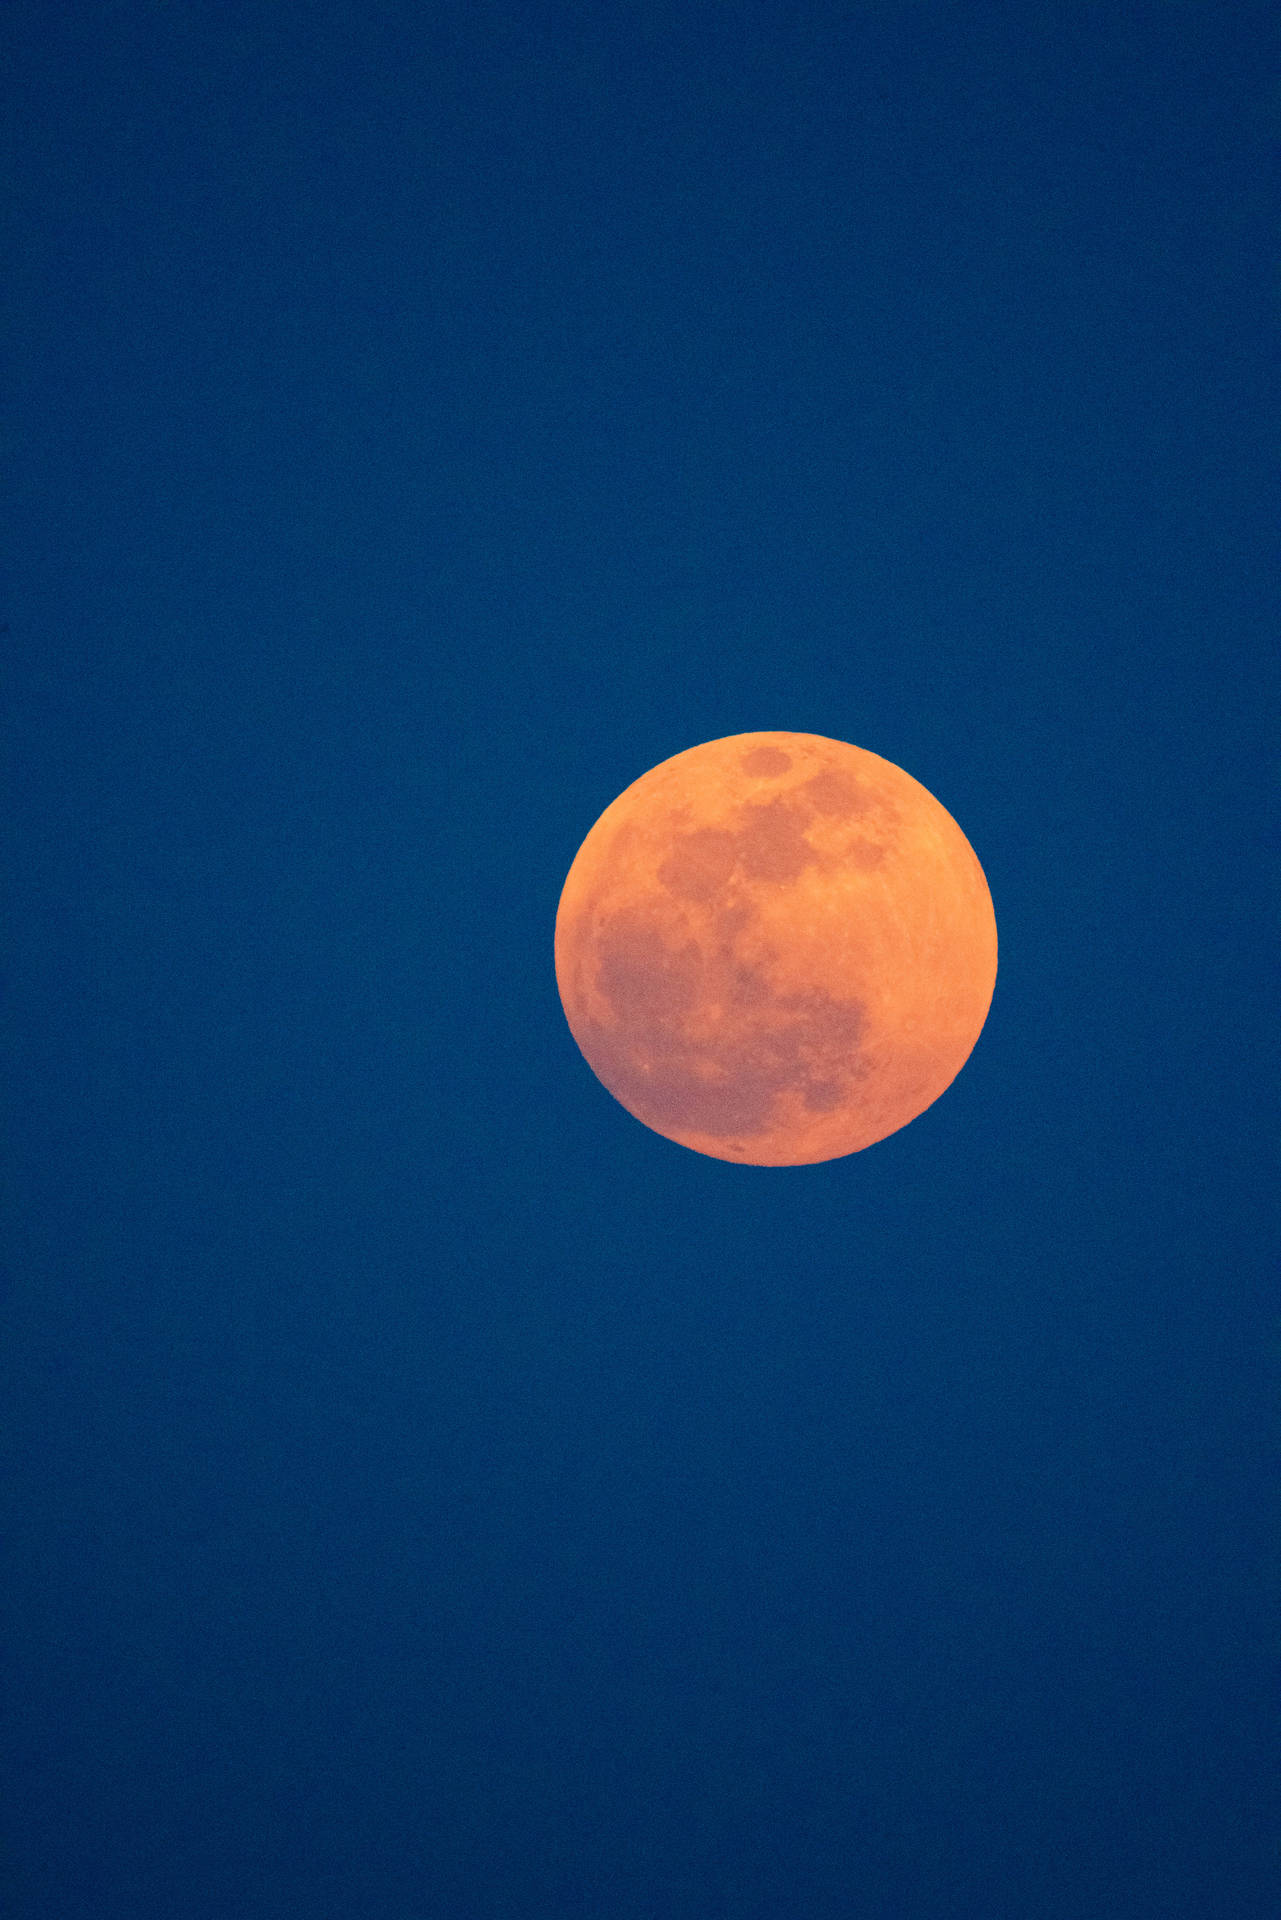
[[776, 948]]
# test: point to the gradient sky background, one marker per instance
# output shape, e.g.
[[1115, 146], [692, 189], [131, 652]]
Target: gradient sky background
[[429, 1495]]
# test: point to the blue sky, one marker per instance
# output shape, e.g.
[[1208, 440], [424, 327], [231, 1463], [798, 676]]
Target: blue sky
[[429, 1494]]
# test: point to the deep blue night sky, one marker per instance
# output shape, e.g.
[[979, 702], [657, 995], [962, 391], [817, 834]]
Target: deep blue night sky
[[428, 1494]]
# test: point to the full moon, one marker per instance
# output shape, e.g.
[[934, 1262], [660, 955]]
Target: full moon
[[776, 948]]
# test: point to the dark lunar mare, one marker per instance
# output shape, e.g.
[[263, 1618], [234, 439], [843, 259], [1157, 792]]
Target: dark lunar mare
[[804, 1042]]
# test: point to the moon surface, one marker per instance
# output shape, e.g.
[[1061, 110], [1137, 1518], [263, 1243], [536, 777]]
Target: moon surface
[[776, 948]]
